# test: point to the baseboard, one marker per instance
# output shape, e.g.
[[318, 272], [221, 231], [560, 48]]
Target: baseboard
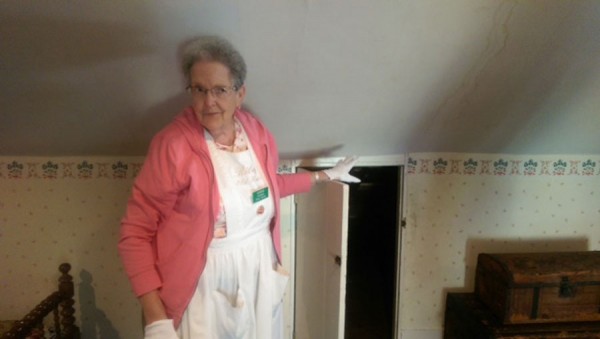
[[421, 334]]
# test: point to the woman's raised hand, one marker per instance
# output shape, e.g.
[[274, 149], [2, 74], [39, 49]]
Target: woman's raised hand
[[341, 170]]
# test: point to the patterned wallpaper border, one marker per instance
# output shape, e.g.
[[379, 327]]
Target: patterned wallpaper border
[[84, 168], [426, 163], [60, 169], [503, 165]]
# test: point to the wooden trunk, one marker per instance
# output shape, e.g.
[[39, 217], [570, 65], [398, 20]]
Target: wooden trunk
[[540, 287], [468, 318]]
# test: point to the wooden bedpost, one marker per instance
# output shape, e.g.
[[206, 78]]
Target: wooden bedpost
[[67, 291], [63, 298]]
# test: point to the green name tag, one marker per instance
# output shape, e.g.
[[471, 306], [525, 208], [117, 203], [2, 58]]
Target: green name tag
[[260, 195]]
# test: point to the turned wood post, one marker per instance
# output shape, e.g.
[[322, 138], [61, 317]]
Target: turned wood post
[[31, 326], [66, 289]]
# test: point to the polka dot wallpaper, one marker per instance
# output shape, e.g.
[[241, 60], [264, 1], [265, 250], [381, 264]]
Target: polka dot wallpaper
[[460, 205], [67, 210], [457, 205]]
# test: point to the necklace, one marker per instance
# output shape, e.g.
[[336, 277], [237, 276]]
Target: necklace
[[224, 147], [239, 143]]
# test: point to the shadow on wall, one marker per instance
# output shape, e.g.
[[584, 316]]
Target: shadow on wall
[[94, 323], [151, 121], [304, 154], [475, 246], [61, 60], [53, 66], [509, 245]]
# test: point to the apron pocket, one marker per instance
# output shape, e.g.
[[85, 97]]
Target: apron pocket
[[233, 314], [280, 280]]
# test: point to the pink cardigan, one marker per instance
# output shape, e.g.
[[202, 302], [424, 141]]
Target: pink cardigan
[[168, 224]]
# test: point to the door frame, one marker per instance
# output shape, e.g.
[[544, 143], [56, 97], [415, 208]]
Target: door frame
[[288, 226]]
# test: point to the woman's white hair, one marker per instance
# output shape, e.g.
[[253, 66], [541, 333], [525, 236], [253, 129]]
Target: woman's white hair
[[214, 49]]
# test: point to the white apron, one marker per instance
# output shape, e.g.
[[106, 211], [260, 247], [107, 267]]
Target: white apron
[[240, 292]]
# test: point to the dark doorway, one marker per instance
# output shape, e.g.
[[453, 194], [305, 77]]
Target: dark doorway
[[372, 253]]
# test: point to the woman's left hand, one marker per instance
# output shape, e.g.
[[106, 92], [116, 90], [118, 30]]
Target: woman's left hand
[[341, 170]]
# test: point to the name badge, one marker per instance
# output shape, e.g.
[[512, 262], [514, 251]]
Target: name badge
[[260, 195]]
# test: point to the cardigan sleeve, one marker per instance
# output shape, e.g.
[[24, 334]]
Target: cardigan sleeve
[[153, 196], [294, 183]]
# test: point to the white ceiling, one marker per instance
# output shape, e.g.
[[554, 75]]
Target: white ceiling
[[328, 77]]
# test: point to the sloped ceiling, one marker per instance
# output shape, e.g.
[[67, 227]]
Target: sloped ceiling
[[328, 77]]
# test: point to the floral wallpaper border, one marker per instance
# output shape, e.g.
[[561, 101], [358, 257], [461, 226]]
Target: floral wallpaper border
[[434, 164], [503, 165], [77, 169], [61, 169]]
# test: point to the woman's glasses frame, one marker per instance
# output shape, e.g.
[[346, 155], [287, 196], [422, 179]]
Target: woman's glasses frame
[[218, 92]]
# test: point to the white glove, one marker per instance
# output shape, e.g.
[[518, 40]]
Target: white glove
[[341, 169], [160, 329]]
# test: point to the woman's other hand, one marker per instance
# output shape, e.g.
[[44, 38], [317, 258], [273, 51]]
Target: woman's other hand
[[161, 329], [152, 307]]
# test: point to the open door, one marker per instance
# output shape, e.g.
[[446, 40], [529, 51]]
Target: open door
[[321, 252]]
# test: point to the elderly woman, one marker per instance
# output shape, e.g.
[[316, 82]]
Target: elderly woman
[[200, 240]]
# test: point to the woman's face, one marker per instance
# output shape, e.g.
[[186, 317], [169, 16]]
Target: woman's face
[[213, 98]]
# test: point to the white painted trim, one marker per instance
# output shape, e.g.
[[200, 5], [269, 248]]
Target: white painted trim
[[421, 334], [290, 223], [400, 285], [365, 161], [289, 249]]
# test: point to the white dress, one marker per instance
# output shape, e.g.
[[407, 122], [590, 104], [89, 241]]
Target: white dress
[[240, 292]]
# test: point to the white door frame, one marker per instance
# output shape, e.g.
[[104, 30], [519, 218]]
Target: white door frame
[[288, 225]]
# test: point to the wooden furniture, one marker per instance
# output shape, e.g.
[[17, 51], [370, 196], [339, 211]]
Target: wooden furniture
[[527, 296], [59, 305], [467, 317], [540, 287]]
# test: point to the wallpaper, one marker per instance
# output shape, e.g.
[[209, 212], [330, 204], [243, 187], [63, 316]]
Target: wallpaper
[[459, 205], [55, 210], [67, 210]]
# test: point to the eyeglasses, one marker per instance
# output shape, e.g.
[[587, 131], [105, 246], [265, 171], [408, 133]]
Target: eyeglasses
[[217, 92]]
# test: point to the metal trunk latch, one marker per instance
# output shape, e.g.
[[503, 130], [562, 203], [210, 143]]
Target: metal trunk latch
[[566, 289]]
